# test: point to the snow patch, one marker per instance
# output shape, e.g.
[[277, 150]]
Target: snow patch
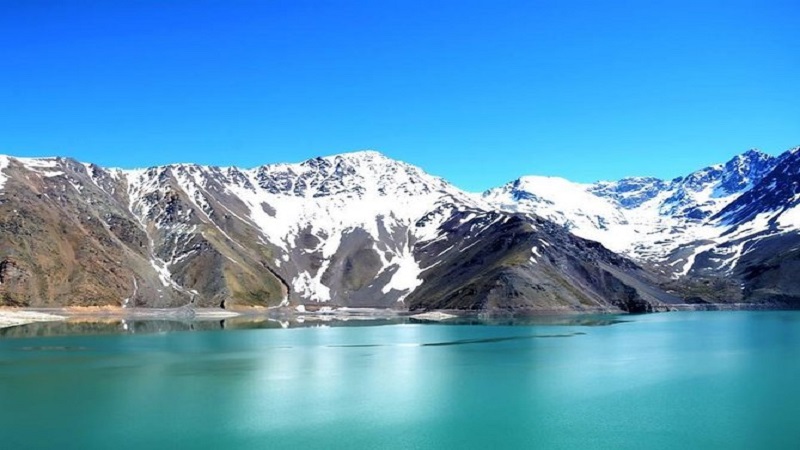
[[790, 218], [3, 164], [406, 277], [36, 164], [696, 251], [311, 288]]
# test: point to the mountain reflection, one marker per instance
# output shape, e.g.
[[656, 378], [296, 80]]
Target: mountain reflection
[[106, 326]]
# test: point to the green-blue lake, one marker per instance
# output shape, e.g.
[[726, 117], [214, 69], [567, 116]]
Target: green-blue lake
[[664, 381]]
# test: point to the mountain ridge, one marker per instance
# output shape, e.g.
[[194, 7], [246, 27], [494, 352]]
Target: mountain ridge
[[358, 229]]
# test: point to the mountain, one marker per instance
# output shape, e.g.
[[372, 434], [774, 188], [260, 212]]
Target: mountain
[[363, 230], [734, 223], [497, 261], [355, 230]]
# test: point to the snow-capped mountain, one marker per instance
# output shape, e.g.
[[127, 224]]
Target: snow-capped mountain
[[776, 194], [698, 224], [363, 230], [353, 230], [308, 213]]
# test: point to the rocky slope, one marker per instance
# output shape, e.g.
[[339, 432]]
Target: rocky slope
[[339, 230], [498, 261]]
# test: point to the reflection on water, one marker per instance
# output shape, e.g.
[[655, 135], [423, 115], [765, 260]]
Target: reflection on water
[[588, 320], [119, 326], [101, 326]]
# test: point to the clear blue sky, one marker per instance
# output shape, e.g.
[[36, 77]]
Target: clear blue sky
[[477, 92]]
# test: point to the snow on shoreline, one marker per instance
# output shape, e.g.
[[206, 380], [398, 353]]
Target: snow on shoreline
[[13, 318]]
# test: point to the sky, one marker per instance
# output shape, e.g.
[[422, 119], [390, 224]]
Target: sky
[[477, 92]]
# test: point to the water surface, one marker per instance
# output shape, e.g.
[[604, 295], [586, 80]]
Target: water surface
[[690, 380]]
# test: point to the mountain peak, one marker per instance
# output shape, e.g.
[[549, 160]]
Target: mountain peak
[[358, 155], [360, 173], [362, 159], [745, 170], [366, 153], [541, 179], [752, 154]]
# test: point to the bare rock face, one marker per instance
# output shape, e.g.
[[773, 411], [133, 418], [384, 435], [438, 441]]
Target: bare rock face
[[54, 233], [514, 262], [13, 280], [73, 232]]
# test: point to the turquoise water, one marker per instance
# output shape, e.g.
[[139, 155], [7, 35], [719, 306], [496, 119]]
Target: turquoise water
[[676, 380]]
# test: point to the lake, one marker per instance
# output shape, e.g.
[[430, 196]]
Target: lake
[[663, 381]]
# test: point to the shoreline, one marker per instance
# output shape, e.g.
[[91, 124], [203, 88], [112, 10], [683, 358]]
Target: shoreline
[[18, 316], [13, 316]]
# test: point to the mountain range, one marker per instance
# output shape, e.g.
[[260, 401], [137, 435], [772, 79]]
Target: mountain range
[[363, 230]]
